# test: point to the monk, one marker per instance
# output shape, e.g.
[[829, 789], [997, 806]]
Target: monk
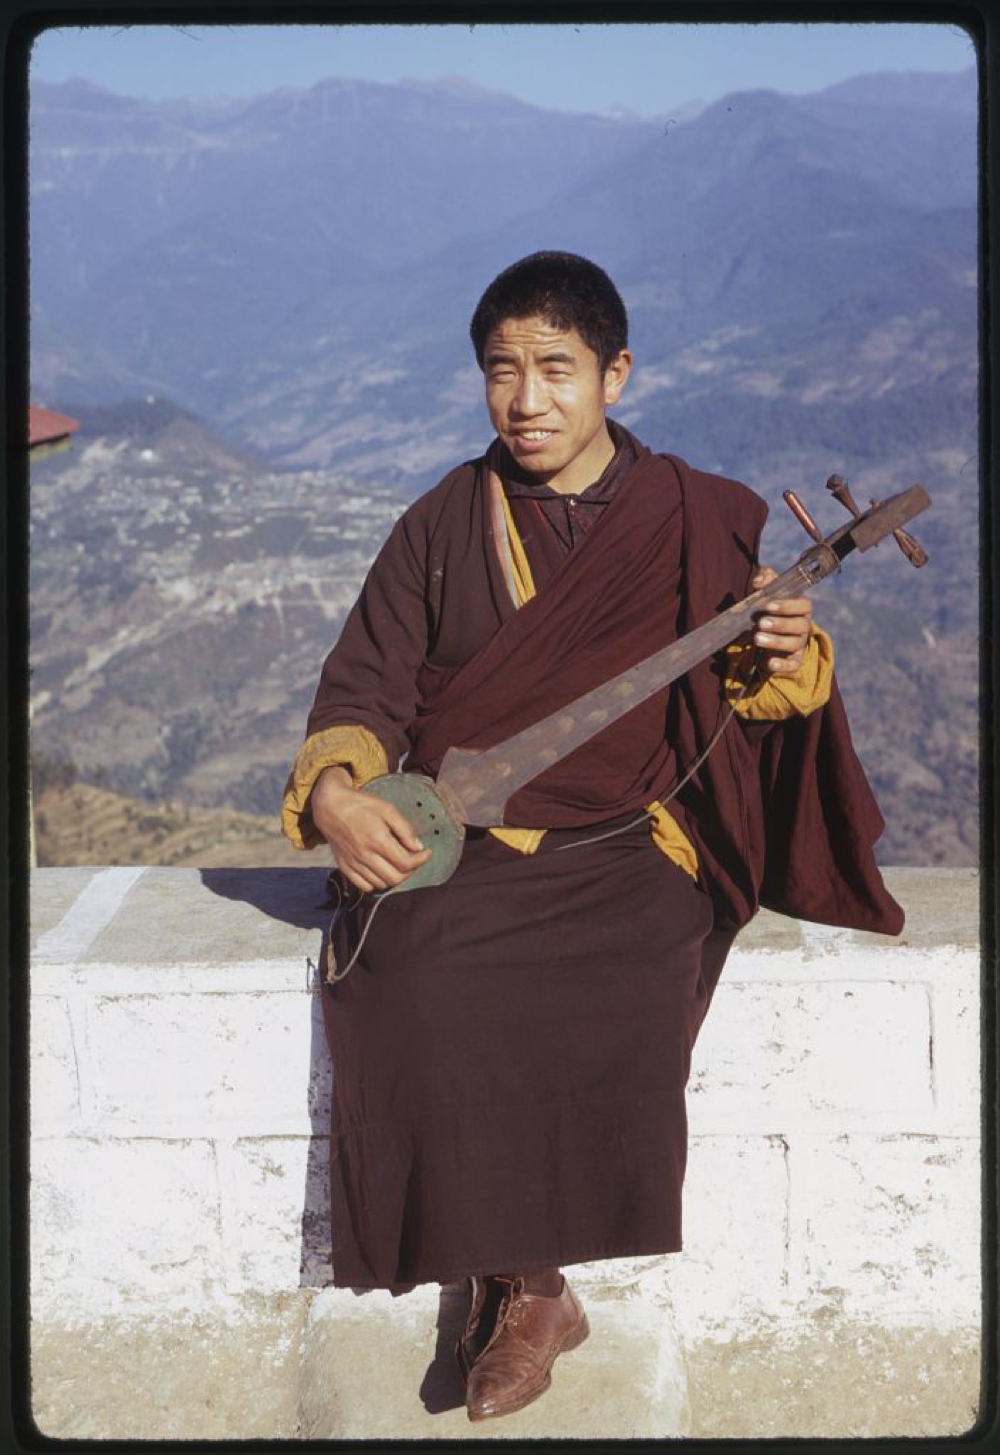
[[511, 1047]]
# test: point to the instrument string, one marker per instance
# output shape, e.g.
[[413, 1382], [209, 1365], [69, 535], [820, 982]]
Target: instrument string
[[647, 813]]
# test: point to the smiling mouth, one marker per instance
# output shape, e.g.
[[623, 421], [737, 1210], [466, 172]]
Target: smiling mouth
[[533, 436]]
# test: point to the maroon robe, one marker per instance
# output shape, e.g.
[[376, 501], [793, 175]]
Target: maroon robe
[[511, 1048]]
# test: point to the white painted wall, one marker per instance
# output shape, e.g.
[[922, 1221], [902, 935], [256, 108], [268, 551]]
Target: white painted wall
[[180, 1091]]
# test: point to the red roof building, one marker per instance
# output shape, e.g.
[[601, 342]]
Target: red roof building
[[48, 431]]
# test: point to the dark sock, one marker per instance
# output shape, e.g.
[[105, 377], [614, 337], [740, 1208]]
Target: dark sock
[[548, 1282], [495, 1292]]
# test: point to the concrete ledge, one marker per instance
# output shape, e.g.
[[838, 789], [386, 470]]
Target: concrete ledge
[[626, 1381], [225, 1375], [268, 1371], [181, 1100], [836, 1381]]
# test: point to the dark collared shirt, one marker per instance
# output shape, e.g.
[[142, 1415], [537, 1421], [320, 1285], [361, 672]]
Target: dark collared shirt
[[550, 524]]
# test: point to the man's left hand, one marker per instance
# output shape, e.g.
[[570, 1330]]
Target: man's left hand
[[783, 627]]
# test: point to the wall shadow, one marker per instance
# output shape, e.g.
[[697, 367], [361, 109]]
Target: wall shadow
[[294, 896], [442, 1387]]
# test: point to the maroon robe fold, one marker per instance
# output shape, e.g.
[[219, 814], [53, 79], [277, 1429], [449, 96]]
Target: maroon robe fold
[[788, 819]]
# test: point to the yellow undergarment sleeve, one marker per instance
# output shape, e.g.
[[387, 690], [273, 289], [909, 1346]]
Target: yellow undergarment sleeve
[[777, 698], [345, 746]]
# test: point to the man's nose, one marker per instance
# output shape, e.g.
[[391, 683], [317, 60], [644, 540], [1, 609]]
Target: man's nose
[[529, 398]]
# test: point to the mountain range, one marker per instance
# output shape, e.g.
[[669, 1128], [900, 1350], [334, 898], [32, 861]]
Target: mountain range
[[300, 268], [258, 310]]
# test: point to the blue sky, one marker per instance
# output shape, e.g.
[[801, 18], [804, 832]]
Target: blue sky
[[642, 68]]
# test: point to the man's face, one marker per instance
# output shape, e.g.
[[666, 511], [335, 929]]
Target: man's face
[[546, 396]]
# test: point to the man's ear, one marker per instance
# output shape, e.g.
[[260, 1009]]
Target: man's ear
[[615, 376]]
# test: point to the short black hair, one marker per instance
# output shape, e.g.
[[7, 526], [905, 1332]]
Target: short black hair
[[566, 290]]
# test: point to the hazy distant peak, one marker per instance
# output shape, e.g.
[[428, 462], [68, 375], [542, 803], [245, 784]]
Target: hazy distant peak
[[172, 432], [459, 89], [620, 113], [329, 83], [949, 90], [357, 91], [457, 85], [677, 115], [764, 106], [83, 94], [759, 98], [74, 85]]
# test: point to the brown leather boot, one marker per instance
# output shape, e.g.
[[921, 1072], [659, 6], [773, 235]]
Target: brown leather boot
[[516, 1365]]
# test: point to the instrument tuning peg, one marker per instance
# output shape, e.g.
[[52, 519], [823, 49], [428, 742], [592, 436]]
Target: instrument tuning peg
[[802, 515], [840, 490], [911, 549]]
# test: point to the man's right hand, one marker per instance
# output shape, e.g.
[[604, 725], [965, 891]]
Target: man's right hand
[[373, 844]]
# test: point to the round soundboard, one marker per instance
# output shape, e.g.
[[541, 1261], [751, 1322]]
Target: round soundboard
[[418, 800]]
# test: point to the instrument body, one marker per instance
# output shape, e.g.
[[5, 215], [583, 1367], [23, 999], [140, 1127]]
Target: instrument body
[[435, 818]]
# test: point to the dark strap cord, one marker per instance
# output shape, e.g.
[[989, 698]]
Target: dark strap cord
[[333, 974]]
